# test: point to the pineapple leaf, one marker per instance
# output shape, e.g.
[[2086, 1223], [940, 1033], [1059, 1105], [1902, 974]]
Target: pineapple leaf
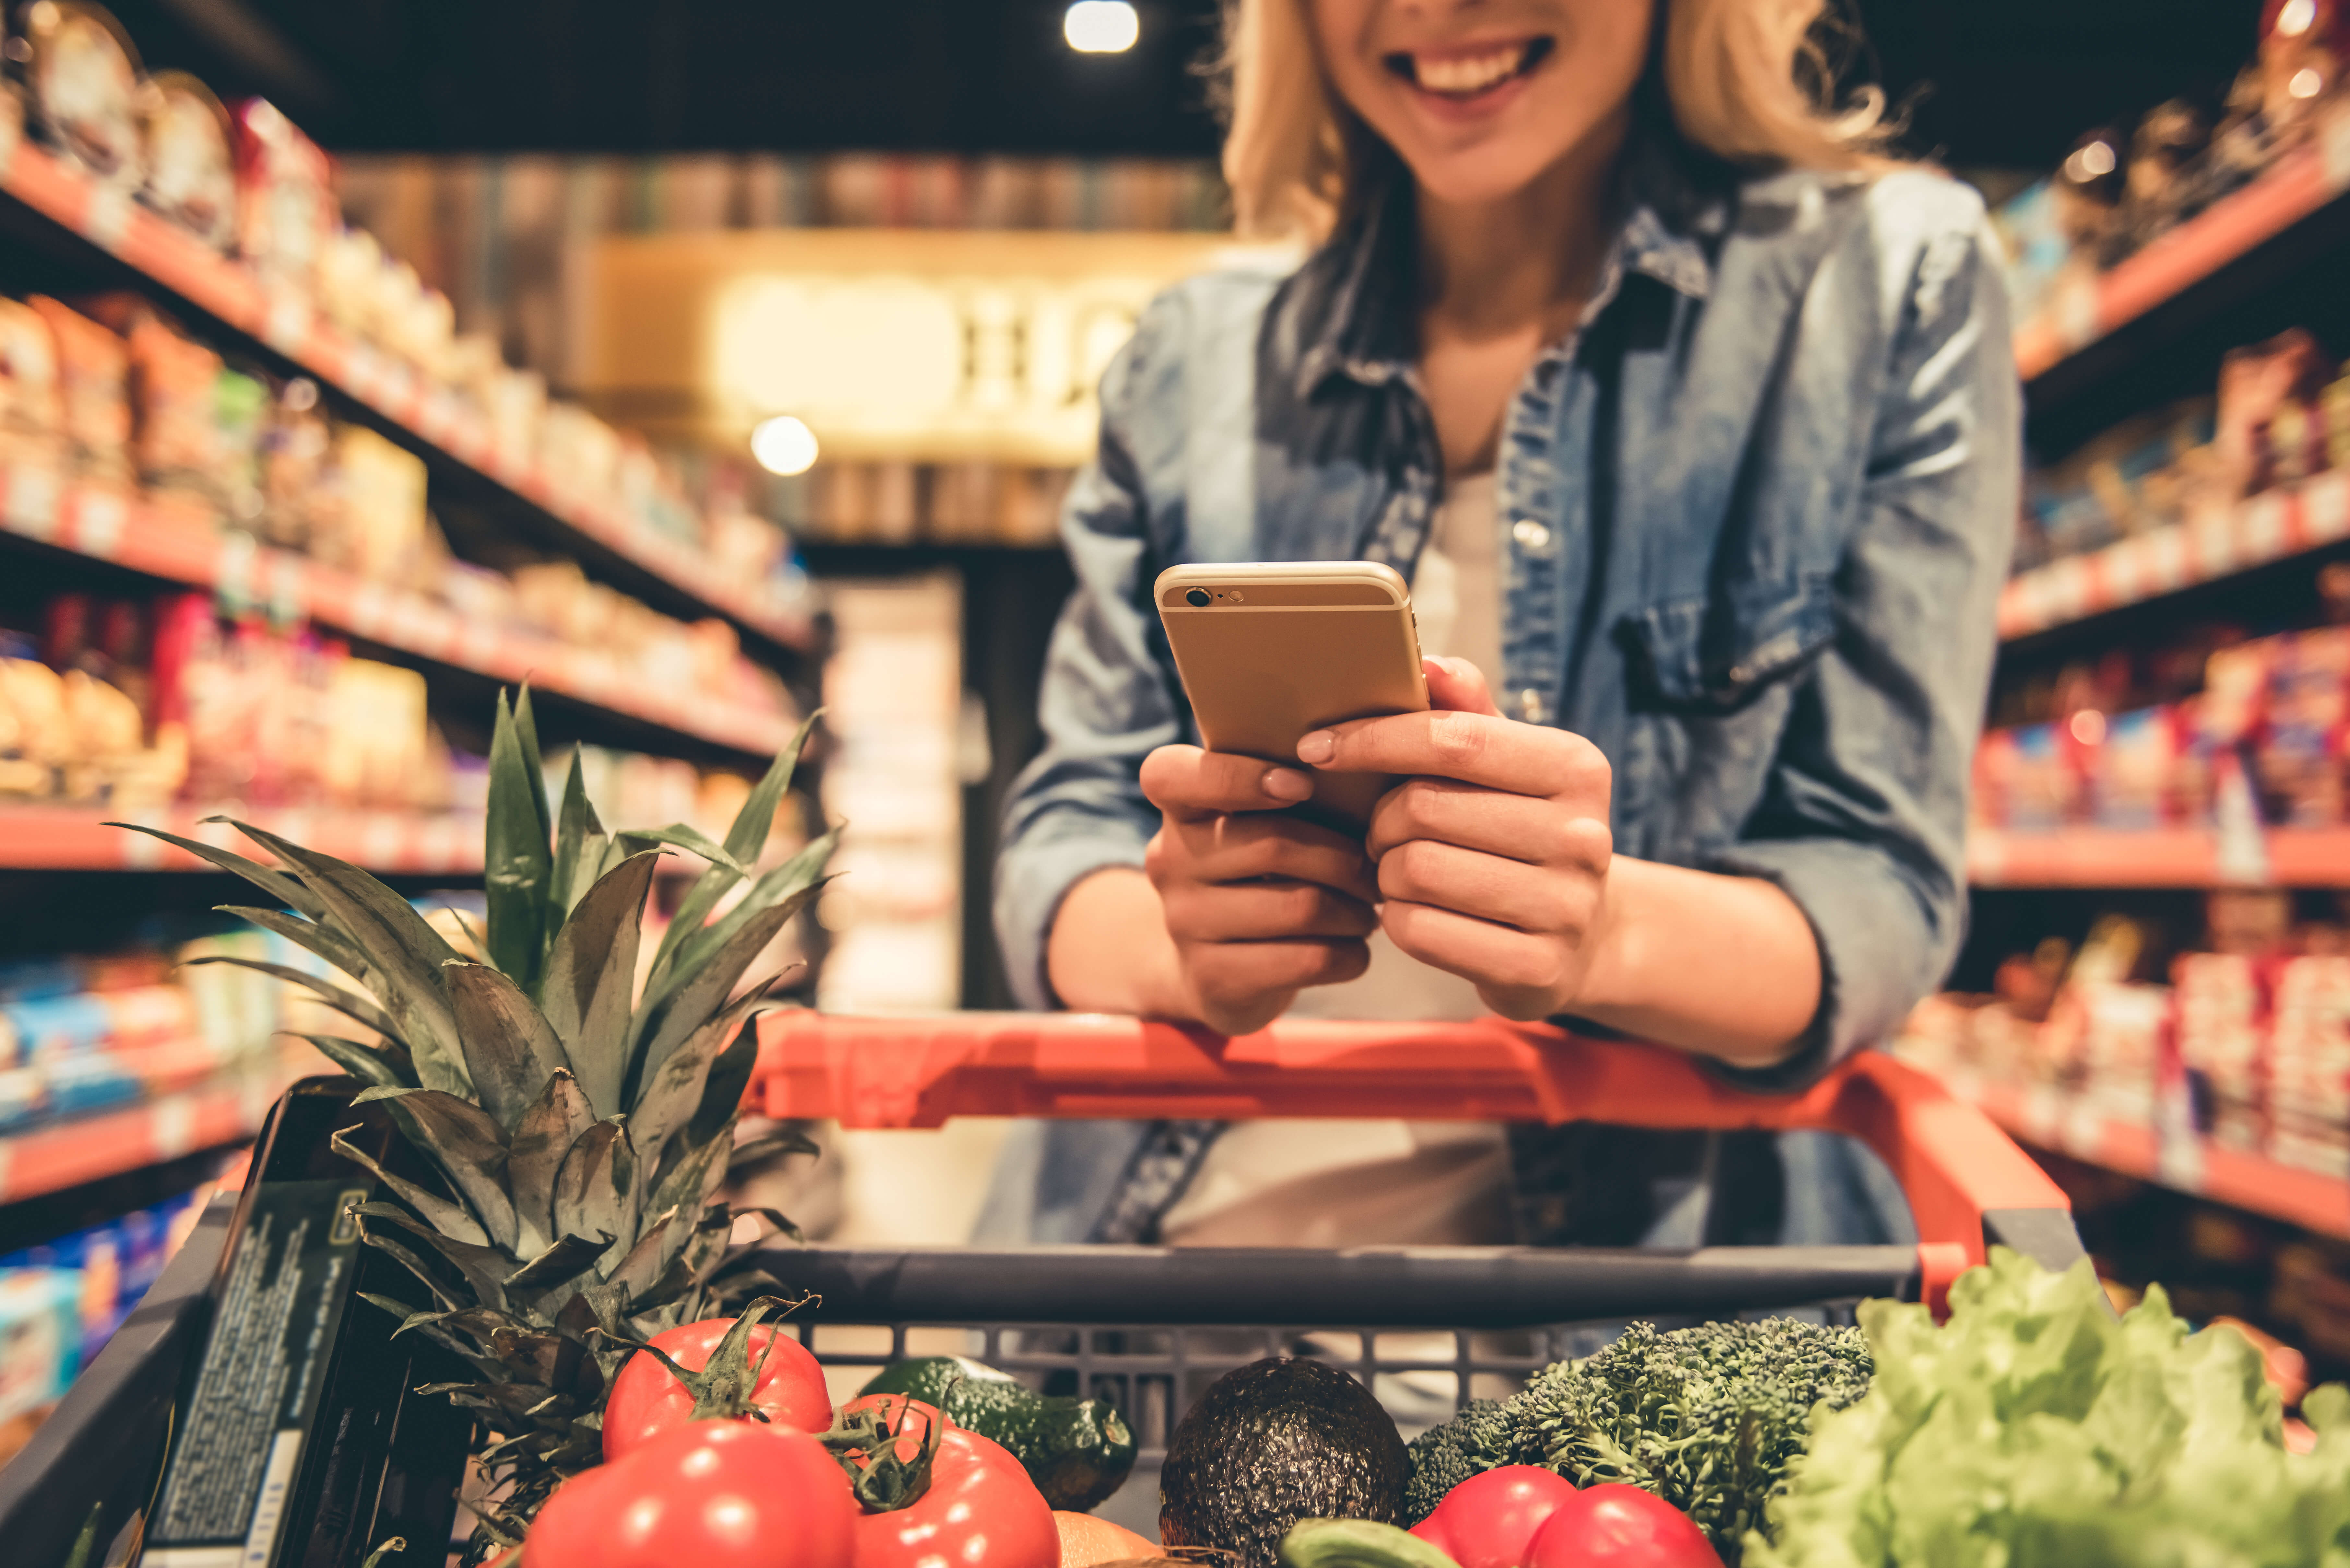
[[365, 1063], [285, 889], [578, 842], [675, 1091], [676, 1281], [592, 1188], [661, 1027], [570, 1257], [355, 1008], [694, 1179], [324, 940], [769, 1145], [729, 1080], [744, 841], [535, 1154], [693, 841], [591, 975], [637, 1272], [425, 1273], [511, 1051], [448, 1218], [404, 953], [795, 879], [517, 859], [468, 1147], [485, 1268]]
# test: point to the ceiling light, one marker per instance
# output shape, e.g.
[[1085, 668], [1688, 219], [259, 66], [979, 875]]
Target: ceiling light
[[1101, 26], [784, 445]]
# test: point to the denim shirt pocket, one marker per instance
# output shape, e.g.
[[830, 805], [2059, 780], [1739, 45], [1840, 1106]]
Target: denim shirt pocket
[[1716, 652]]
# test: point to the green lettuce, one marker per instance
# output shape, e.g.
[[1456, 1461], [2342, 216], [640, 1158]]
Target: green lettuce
[[2036, 1428]]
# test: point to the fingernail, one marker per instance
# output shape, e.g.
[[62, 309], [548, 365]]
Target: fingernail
[[1282, 784], [1319, 746]]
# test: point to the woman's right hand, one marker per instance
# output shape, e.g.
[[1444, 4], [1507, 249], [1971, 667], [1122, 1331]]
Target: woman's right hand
[[1260, 906]]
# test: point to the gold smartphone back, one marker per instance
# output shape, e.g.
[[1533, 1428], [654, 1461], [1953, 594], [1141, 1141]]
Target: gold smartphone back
[[1271, 650]]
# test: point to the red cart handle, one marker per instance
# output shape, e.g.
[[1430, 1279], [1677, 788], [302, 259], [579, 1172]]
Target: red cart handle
[[1968, 1185]]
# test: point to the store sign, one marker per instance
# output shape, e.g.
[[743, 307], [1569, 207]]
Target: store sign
[[908, 344]]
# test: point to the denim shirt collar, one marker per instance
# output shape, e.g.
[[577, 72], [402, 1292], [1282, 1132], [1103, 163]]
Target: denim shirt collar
[[1356, 315]]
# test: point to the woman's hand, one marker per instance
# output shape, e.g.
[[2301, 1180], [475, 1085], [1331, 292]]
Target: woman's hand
[[1493, 857], [1259, 906]]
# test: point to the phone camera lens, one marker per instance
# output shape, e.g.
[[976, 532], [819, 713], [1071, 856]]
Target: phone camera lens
[[1197, 598]]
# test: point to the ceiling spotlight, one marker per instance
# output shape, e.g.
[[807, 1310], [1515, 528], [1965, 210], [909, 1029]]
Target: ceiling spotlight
[[784, 445], [1101, 26]]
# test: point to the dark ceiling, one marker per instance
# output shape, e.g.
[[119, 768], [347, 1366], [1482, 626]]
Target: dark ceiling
[[1993, 82]]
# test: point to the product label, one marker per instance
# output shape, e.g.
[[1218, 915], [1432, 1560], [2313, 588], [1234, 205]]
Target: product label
[[241, 1428]]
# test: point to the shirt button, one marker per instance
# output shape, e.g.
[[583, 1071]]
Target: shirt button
[[1530, 706], [1530, 535]]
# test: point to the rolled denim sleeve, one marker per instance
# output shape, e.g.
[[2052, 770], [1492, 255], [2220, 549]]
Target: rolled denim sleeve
[[1862, 823], [1108, 698]]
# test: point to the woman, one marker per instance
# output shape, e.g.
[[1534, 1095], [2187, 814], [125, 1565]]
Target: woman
[[1700, 417]]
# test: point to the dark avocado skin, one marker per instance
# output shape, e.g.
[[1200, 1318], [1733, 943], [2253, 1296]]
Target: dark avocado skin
[[1078, 1452], [1274, 1442]]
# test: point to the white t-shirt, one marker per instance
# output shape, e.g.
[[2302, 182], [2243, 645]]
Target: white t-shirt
[[1308, 1182]]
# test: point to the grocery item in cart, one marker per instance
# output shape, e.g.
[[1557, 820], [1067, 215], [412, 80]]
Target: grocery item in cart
[[83, 77]]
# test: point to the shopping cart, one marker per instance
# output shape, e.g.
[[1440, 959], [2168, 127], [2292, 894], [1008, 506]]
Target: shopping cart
[[1428, 1328]]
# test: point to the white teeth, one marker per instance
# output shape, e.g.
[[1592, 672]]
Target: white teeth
[[1469, 73]]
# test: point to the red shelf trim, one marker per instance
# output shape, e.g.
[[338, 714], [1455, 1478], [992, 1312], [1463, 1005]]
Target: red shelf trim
[[184, 266], [2311, 1199], [92, 1149], [76, 837], [2156, 857]]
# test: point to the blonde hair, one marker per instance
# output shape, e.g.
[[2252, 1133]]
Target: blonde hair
[[1748, 81]]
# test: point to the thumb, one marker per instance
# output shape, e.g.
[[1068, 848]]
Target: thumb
[[1455, 685]]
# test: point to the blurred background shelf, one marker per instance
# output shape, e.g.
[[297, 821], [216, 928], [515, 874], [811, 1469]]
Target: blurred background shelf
[[2315, 1200], [78, 838], [81, 228], [71, 1152], [180, 544], [2160, 857]]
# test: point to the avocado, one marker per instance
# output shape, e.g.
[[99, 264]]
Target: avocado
[[1274, 1442], [1078, 1452]]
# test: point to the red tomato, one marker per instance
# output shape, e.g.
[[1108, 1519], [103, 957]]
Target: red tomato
[[980, 1511], [1488, 1520], [714, 1494], [1618, 1526], [648, 1399]]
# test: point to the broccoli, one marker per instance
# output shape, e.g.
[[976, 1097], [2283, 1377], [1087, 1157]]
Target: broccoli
[[1706, 1417]]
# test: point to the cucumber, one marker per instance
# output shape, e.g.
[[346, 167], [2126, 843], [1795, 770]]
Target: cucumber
[[1078, 1452]]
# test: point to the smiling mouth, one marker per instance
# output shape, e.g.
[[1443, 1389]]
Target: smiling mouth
[[1464, 77]]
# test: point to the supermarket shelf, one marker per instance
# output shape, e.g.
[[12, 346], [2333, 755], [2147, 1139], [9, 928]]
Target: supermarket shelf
[[52, 1157], [2313, 1199], [77, 838], [2173, 271], [180, 545], [44, 200], [2273, 526], [2160, 857]]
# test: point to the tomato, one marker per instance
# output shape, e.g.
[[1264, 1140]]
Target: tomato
[[1618, 1526], [1088, 1542], [980, 1511], [648, 1399], [714, 1494], [1489, 1519]]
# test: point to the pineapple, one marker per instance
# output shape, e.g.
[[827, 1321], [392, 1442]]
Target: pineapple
[[581, 1132]]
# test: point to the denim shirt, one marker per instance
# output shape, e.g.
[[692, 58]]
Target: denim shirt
[[1754, 512]]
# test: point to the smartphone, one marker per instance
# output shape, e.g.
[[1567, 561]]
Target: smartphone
[[1270, 651]]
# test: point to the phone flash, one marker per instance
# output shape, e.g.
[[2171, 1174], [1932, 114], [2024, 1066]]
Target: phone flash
[[1234, 596]]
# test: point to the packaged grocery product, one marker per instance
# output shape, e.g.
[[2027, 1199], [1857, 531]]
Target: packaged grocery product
[[2223, 722], [93, 390], [40, 1337], [2033, 778], [2304, 43], [378, 748], [286, 212], [294, 444], [241, 406], [30, 417], [2309, 1065], [2256, 384], [191, 170], [82, 77], [371, 519], [175, 384], [2161, 185], [2133, 769], [2299, 755], [2222, 1031]]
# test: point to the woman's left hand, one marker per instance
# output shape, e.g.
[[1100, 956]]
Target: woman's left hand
[[1493, 855]]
